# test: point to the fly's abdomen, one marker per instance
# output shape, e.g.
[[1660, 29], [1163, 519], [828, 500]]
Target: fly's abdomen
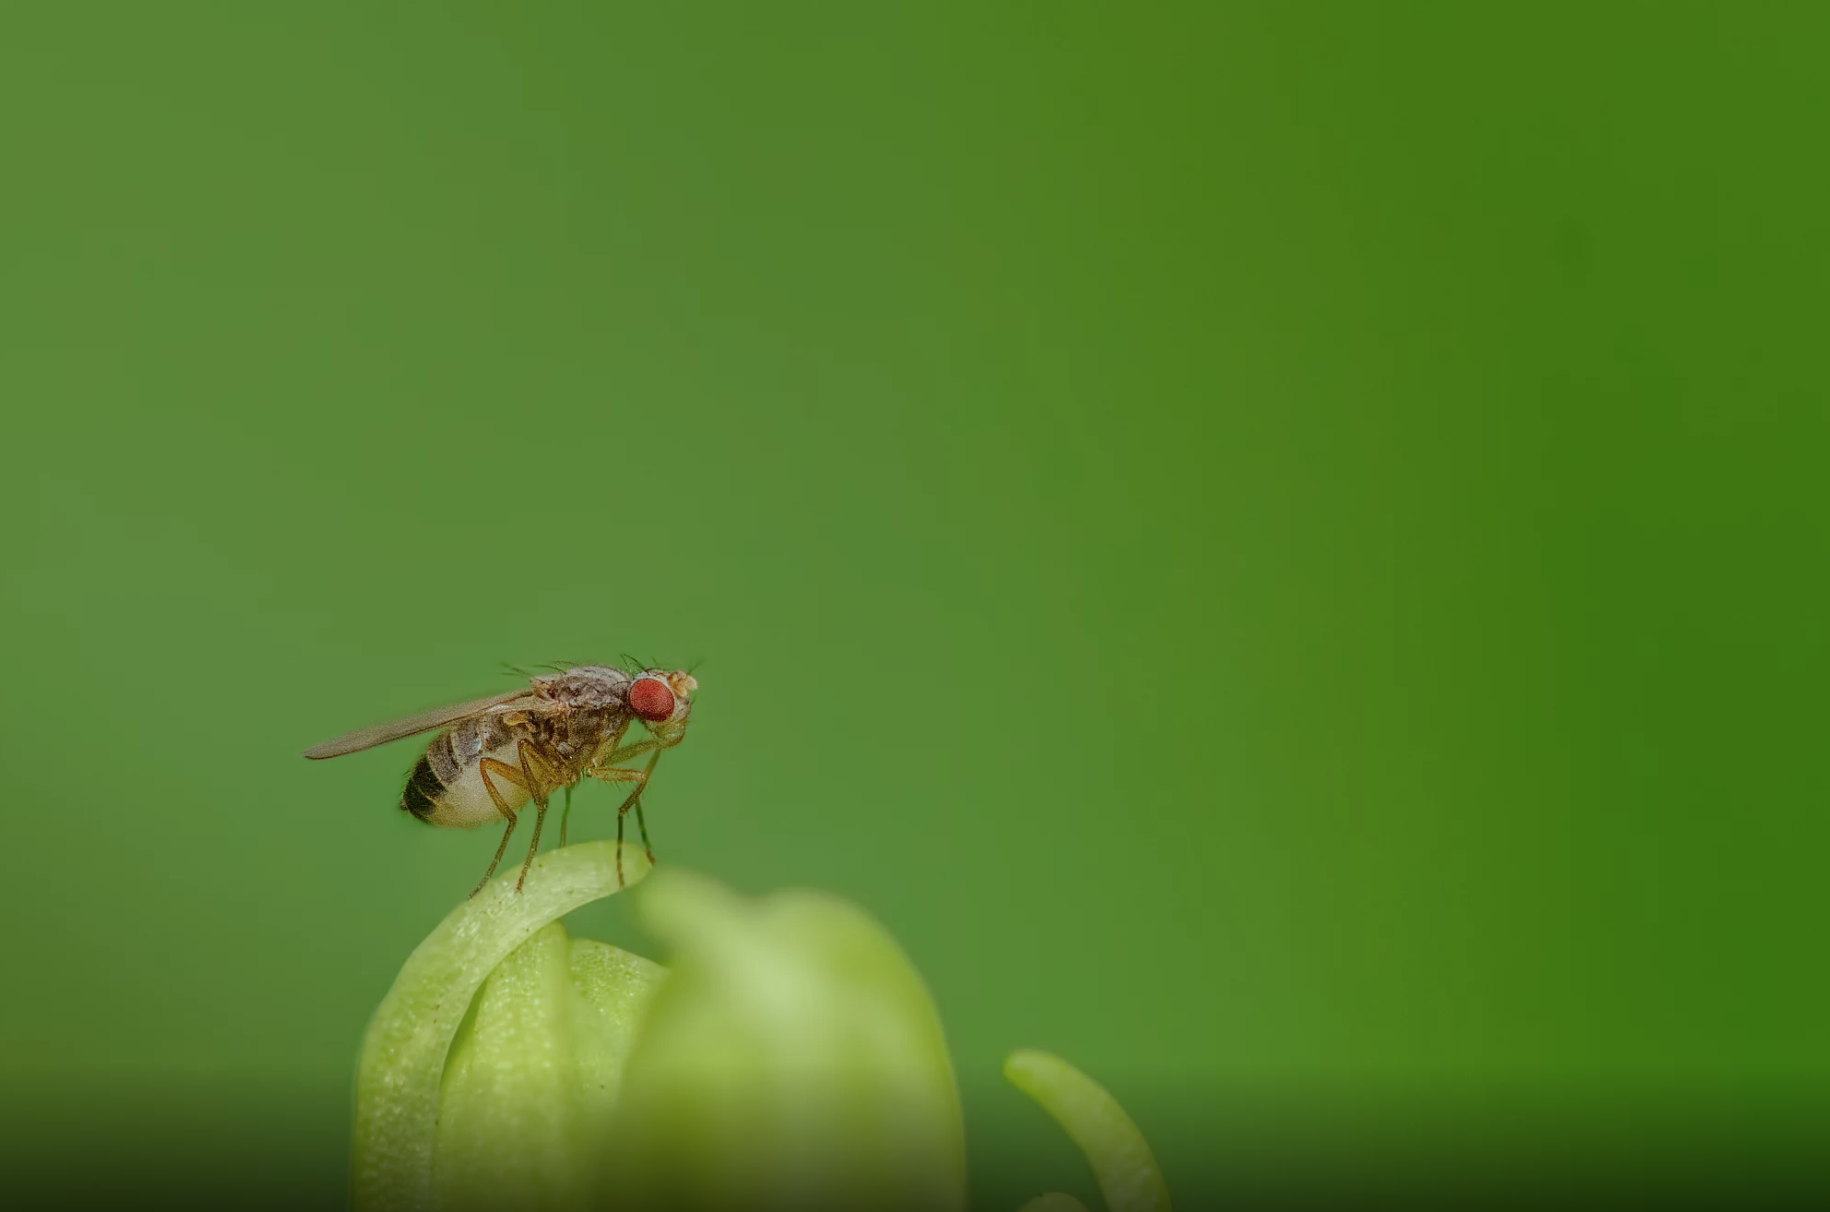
[[450, 786], [423, 790]]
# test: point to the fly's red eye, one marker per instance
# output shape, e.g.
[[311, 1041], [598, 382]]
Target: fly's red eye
[[651, 699]]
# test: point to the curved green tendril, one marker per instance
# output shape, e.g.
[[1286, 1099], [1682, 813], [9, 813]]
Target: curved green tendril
[[404, 1052], [1122, 1163]]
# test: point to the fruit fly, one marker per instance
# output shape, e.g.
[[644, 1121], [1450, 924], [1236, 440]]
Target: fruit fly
[[493, 755]]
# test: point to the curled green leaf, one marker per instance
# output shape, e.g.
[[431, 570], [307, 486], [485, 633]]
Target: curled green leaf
[[533, 1075], [1121, 1160], [403, 1061]]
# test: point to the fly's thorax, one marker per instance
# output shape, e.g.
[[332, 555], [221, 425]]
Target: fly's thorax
[[575, 735], [586, 687]]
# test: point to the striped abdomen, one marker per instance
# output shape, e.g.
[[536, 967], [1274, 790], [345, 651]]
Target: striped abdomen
[[446, 787]]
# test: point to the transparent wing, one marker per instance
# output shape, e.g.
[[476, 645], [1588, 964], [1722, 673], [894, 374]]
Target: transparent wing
[[425, 721]]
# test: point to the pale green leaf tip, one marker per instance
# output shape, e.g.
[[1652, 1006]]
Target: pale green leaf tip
[[1121, 1160]]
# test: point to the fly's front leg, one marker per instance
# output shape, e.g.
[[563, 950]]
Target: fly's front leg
[[641, 821], [640, 779], [613, 775], [636, 749]]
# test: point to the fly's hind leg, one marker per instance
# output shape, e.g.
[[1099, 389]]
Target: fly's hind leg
[[500, 847], [485, 768]]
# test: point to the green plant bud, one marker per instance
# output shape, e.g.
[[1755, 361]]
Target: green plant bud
[[792, 1060]]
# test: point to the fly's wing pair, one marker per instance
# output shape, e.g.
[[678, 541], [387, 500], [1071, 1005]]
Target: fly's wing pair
[[425, 721]]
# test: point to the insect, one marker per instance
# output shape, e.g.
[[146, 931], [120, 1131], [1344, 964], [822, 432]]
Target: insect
[[493, 755]]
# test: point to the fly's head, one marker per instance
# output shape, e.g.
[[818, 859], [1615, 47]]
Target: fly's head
[[662, 700]]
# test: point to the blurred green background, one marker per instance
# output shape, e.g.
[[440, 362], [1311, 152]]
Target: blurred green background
[[1280, 548]]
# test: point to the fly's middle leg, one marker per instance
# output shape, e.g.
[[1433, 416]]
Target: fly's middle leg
[[536, 785], [565, 818]]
